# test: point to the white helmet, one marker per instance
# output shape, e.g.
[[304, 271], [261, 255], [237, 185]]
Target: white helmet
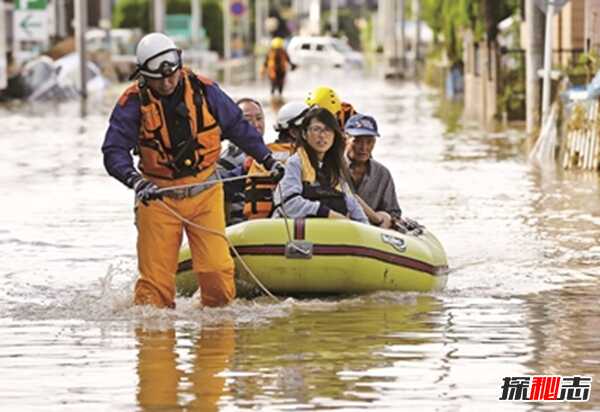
[[290, 114], [157, 56]]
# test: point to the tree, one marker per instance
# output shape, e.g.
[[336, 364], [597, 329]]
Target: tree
[[136, 13]]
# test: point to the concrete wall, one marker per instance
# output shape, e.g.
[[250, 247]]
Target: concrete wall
[[592, 24], [481, 81], [569, 31]]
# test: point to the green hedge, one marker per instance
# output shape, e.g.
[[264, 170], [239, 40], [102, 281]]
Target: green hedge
[[136, 13]]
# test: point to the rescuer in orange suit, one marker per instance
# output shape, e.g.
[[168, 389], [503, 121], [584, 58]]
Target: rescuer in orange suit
[[175, 120], [276, 65]]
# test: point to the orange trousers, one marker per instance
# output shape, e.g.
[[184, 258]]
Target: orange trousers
[[159, 240]]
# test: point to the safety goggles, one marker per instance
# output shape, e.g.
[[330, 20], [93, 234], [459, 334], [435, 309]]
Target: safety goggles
[[161, 65]]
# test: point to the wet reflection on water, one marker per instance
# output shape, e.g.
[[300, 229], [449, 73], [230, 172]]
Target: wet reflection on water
[[521, 300]]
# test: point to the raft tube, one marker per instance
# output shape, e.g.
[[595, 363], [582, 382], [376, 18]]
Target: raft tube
[[327, 257]]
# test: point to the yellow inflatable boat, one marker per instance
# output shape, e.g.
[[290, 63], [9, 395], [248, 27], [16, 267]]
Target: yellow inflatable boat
[[328, 256]]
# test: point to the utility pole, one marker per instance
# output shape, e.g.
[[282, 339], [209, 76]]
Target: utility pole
[[80, 29], [401, 36], [260, 15], [105, 20], [533, 62], [416, 8], [314, 17], [333, 16], [3, 63], [226, 41], [159, 12], [547, 61], [60, 13], [196, 22]]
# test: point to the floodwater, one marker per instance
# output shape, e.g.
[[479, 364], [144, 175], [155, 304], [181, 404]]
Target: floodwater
[[521, 299]]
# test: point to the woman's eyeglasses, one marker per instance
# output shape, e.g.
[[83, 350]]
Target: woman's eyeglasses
[[319, 130]]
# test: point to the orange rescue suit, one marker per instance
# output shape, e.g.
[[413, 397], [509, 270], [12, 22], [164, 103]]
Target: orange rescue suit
[[277, 63], [157, 158]]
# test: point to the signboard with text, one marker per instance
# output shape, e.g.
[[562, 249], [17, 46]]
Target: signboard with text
[[31, 4]]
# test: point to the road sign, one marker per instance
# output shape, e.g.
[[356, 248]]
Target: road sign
[[543, 4], [30, 25], [237, 8], [31, 4]]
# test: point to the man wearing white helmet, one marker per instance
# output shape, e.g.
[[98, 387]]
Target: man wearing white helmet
[[258, 201], [175, 120]]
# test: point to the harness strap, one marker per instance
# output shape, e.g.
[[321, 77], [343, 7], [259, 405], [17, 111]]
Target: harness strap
[[197, 87]]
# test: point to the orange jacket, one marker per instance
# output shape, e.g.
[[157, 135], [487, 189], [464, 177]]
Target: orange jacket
[[258, 201], [276, 63], [157, 158]]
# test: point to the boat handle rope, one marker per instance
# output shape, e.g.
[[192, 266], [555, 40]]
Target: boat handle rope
[[215, 232], [287, 227]]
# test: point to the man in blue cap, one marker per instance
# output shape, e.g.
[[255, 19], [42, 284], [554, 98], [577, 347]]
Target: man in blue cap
[[372, 180]]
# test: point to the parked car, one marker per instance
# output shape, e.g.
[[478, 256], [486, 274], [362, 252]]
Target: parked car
[[323, 51]]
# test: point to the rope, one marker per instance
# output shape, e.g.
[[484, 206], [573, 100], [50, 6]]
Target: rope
[[207, 182], [287, 228], [215, 232]]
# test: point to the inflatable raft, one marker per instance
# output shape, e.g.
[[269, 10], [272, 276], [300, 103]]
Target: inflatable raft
[[328, 256]]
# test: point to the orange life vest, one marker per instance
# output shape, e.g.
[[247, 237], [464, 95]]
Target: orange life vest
[[276, 62], [258, 202], [345, 113], [157, 158]]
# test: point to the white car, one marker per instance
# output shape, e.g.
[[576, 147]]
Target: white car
[[323, 51]]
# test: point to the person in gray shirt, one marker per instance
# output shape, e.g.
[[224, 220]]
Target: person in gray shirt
[[372, 181]]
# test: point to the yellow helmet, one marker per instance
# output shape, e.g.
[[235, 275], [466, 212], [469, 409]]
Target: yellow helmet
[[277, 43], [326, 98]]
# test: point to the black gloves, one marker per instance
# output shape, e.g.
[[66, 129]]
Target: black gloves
[[412, 224], [275, 168], [145, 190]]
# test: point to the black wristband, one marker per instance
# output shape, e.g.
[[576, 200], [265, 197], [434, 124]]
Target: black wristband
[[268, 161], [323, 211], [132, 178]]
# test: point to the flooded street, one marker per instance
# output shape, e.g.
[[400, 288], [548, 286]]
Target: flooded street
[[522, 243]]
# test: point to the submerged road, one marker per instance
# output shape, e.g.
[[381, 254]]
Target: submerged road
[[521, 299]]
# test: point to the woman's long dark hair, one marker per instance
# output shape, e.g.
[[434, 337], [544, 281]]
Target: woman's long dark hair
[[334, 163]]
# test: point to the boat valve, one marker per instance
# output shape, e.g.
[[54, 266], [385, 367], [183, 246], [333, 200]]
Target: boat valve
[[299, 249]]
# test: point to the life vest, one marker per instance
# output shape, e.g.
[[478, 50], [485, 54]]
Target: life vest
[[345, 113], [258, 202], [276, 62], [202, 146], [316, 187]]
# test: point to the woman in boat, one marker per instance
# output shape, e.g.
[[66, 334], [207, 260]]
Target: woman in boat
[[315, 183]]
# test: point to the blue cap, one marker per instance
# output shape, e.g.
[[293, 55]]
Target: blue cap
[[361, 125]]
